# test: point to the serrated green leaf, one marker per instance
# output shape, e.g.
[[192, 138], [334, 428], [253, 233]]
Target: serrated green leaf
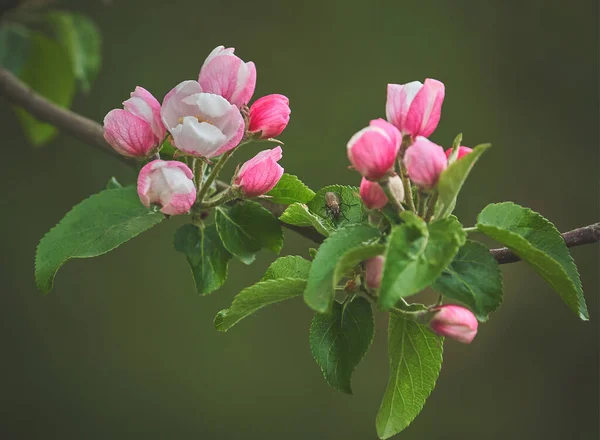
[[95, 226], [113, 183], [290, 190], [205, 254], [340, 340], [291, 266], [81, 39], [416, 256], [353, 257], [256, 297], [351, 208], [415, 356], [473, 279], [246, 228], [48, 73], [14, 46], [452, 179], [537, 241], [297, 214], [320, 289]]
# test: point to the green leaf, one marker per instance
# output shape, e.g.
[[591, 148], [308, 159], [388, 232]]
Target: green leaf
[[455, 146], [113, 183], [48, 73], [339, 341], [81, 39], [474, 279], [297, 214], [452, 179], [246, 228], [95, 226], [538, 242], [415, 356], [289, 190], [14, 46], [416, 256], [205, 254], [320, 289], [351, 207], [353, 257], [256, 297], [291, 266]]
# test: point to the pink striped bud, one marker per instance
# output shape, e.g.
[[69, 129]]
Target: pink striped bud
[[260, 174], [372, 151], [374, 268], [454, 322], [415, 108], [372, 194], [269, 115], [138, 129], [168, 184], [225, 74], [462, 152], [425, 161]]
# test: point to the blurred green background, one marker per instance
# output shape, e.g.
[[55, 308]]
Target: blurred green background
[[124, 349]]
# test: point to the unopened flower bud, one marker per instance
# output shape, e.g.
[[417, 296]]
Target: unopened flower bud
[[372, 151], [415, 108], [260, 174], [168, 184], [269, 115], [374, 269], [454, 322], [372, 194], [425, 161], [462, 152], [138, 129], [224, 73]]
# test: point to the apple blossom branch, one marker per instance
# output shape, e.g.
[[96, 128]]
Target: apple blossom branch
[[92, 133]]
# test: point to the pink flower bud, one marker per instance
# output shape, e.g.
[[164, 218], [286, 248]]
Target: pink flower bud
[[260, 174], [269, 115], [137, 130], [415, 108], [168, 184], [372, 194], [374, 268], [462, 152], [225, 74], [454, 322], [202, 124], [425, 161], [372, 151]]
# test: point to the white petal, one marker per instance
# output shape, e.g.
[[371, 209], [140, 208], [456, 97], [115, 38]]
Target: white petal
[[173, 107], [198, 138], [208, 105]]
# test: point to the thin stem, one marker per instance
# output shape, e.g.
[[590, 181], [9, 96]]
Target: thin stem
[[220, 199], [213, 175], [408, 195], [422, 203], [431, 208], [471, 229]]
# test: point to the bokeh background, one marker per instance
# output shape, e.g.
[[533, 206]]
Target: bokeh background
[[124, 349]]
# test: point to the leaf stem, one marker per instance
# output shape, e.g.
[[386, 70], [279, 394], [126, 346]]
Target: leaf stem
[[220, 199], [408, 197], [422, 203], [471, 229], [431, 208]]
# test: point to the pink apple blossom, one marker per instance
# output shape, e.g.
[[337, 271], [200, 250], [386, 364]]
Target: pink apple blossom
[[202, 124], [372, 194], [454, 322], [415, 108], [225, 74], [138, 129], [372, 151], [425, 161], [374, 269], [269, 115], [168, 184], [462, 152], [260, 174]]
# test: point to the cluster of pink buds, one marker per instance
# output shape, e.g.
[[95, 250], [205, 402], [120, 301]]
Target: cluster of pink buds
[[400, 145], [202, 119]]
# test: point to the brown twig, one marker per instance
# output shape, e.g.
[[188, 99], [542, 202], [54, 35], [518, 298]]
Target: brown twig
[[92, 133]]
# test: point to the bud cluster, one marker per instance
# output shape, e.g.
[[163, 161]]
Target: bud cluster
[[203, 120]]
